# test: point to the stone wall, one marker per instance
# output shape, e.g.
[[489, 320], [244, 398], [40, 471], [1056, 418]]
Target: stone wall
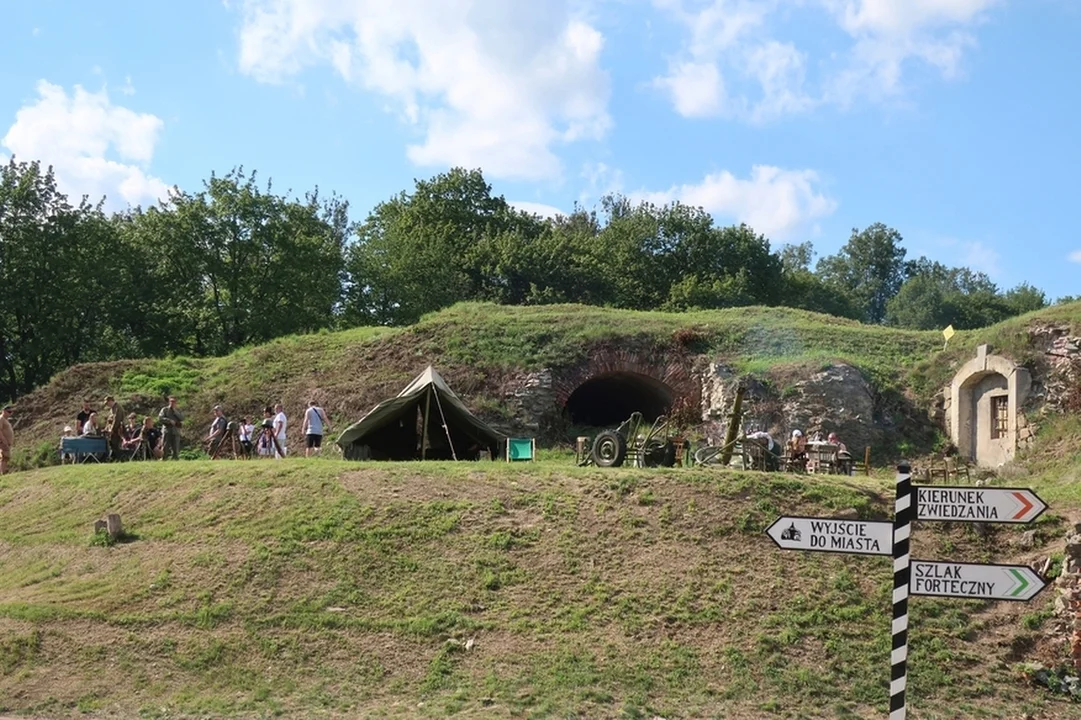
[[836, 398], [971, 420], [534, 401], [1068, 602], [531, 403], [1060, 377]]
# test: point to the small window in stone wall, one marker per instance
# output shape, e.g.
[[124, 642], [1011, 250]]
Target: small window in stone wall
[[1000, 416]]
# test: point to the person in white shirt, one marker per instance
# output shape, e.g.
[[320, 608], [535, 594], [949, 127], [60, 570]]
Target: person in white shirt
[[244, 433], [315, 425], [280, 425], [90, 427]]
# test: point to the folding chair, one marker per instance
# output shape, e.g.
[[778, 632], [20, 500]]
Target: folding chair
[[521, 449]]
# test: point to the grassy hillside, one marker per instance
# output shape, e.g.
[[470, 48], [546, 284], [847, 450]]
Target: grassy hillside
[[322, 588], [482, 349], [478, 347]]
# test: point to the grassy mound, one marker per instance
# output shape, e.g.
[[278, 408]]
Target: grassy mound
[[322, 588], [482, 349]]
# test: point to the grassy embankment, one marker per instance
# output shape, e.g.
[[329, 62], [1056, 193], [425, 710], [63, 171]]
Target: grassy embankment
[[309, 588], [478, 347], [481, 348]]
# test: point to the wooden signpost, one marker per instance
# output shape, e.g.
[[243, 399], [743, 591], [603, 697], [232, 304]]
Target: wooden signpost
[[923, 577]]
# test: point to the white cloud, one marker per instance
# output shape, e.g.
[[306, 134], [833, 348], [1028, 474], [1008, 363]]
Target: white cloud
[[904, 17], [534, 208], [979, 256], [734, 65], [972, 254], [497, 84], [890, 33], [697, 89], [778, 203], [601, 179], [77, 133], [1075, 256], [730, 44]]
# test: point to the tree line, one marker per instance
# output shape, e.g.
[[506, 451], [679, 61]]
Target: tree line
[[237, 263]]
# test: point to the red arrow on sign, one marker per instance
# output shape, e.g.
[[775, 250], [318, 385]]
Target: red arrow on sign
[[1026, 505]]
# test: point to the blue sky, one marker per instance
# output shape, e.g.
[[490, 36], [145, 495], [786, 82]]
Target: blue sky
[[954, 121]]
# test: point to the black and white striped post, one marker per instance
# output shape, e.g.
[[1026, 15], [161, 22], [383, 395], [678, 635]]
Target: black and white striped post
[[902, 526]]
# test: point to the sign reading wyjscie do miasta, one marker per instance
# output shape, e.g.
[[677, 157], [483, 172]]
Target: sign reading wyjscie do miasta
[[921, 577], [825, 535]]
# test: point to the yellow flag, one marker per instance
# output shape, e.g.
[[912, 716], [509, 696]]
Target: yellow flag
[[948, 332]]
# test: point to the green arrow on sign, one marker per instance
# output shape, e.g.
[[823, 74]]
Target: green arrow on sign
[[1021, 579]]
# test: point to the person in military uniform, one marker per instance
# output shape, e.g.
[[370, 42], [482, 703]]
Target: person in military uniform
[[171, 419], [114, 428]]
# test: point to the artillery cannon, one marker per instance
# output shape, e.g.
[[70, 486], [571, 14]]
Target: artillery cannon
[[647, 445]]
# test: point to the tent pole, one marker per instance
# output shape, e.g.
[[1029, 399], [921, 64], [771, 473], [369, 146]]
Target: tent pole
[[445, 428], [424, 429]]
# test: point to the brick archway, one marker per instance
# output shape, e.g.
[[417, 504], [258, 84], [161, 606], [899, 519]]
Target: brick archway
[[624, 380]]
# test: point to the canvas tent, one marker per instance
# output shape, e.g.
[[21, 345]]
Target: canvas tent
[[426, 421]]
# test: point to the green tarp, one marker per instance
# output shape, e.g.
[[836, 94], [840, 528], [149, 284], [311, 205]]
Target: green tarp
[[425, 421]]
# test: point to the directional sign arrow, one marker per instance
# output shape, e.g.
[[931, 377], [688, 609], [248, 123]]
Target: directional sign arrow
[[828, 535], [975, 504], [989, 582]]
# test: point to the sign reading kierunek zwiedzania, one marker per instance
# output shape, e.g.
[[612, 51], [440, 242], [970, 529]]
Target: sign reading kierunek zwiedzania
[[998, 505], [988, 582], [861, 537]]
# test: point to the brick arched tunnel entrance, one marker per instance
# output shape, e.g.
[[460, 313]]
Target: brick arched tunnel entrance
[[609, 398]]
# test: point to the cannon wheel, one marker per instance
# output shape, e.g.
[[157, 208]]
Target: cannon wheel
[[609, 449]]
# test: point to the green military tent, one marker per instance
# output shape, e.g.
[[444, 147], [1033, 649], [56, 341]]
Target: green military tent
[[426, 421]]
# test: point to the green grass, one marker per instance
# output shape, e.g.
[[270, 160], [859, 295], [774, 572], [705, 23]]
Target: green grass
[[322, 587], [325, 588]]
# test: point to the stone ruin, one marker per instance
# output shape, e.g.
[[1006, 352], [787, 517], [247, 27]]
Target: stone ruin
[[604, 390], [1068, 602], [990, 409]]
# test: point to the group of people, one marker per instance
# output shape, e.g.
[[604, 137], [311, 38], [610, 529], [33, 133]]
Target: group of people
[[122, 438], [147, 439], [795, 455], [268, 439], [126, 435]]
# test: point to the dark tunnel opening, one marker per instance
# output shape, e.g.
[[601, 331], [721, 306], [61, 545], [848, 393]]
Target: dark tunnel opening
[[609, 399]]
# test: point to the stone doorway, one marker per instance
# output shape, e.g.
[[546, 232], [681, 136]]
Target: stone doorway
[[985, 398]]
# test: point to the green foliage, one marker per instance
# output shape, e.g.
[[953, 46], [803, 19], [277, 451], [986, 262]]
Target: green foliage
[[869, 268], [935, 296], [40, 454], [235, 264], [58, 274], [165, 377]]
